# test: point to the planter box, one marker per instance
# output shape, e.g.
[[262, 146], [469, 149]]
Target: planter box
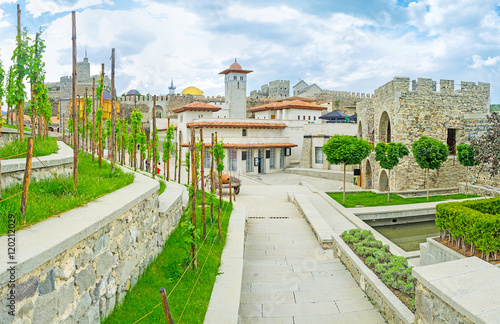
[[391, 308]]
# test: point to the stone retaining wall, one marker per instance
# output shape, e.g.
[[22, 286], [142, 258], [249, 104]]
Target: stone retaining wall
[[391, 308], [60, 163], [432, 252], [76, 267], [484, 191]]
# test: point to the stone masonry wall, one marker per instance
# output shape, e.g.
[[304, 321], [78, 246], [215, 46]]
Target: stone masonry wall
[[85, 282], [433, 309], [424, 112]]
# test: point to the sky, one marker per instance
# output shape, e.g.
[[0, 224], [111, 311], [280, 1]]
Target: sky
[[355, 45]]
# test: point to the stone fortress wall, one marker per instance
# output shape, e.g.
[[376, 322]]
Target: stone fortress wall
[[399, 114]]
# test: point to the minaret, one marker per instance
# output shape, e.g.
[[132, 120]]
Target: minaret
[[171, 89], [235, 81]]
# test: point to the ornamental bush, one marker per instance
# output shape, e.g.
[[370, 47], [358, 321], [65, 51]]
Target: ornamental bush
[[475, 222], [392, 270]]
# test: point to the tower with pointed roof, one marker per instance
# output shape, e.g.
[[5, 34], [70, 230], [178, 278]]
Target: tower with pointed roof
[[171, 89], [235, 80]]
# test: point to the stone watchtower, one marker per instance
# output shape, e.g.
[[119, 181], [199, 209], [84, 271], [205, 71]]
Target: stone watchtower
[[236, 90]]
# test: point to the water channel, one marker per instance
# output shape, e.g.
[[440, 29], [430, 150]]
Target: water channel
[[409, 236]]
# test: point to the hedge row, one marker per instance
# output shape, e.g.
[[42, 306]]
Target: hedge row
[[476, 222]]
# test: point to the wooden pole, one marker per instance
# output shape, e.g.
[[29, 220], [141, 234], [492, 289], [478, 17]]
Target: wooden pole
[[202, 173], [101, 104], [75, 124], [92, 140], [166, 309], [179, 153], [84, 117], [26, 179], [154, 137], [168, 155], [212, 179], [220, 195], [112, 148], [193, 198], [20, 112]]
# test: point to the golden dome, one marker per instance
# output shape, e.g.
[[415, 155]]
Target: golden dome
[[194, 91]]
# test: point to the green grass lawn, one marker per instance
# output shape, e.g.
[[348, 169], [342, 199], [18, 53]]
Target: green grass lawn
[[371, 199], [41, 147], [168, 267], [15, 127], [92, 183]]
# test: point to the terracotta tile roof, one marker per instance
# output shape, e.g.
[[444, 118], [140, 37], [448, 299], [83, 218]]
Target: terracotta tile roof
[[296, 104], [14, 117], [164, 129], [228, 124], [196, 106], [297, 98], [250, 146]]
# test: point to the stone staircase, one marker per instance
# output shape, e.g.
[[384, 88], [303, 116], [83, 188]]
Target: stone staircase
[[448, 176]]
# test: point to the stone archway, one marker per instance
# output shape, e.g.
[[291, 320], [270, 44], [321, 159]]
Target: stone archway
[[383, 182], [360, 129], [384, 128], [368, 175], [158, 111]]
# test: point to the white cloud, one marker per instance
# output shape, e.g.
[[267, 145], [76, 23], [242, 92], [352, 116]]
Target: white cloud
[[38, 7], [479, 62], [3, 23]]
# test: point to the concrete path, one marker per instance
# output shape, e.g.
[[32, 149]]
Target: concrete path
[[287, 276]]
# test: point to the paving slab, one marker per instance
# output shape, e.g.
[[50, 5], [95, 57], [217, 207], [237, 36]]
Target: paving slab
[[287, 276]]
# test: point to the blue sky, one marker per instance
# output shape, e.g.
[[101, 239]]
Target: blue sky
[[340, 45]]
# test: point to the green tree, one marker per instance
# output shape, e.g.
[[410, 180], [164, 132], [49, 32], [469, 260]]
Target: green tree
[[9, 94], [346, 150], [20, 69], [467, 157], [388, 156], [429, 154], [168, 148], [143, 145], [2, 87], [135, 122]]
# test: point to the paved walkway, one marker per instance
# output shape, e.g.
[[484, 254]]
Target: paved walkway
[[287, 276]]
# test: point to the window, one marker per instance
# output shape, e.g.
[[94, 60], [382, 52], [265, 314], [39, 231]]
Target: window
[[207, 157], [319, 155], [298, 117], [249, 161], [451, 140], [282, 158], [309, 117], [241, 78], [314, 117], [235, 78], [243, 132], [271, 159], [304, 117], [233, 160]]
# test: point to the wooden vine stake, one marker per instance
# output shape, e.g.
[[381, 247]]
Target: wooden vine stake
[[166, 309], [20, 112], [179, 153], [212, 178], [220, 190], [168, 155], [192, 156], [92, 140], [26, 179], [101, 104], [113, 111], [154, 137], [202, 173], [75, 125]]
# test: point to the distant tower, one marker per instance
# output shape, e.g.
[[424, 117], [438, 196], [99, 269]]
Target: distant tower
[[171, 89], [236, 90]]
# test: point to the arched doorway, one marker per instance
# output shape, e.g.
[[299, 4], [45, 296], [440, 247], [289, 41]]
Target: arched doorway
[[360, 129], [384, 128], [383, 182], [158, 111], [368, 175]]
